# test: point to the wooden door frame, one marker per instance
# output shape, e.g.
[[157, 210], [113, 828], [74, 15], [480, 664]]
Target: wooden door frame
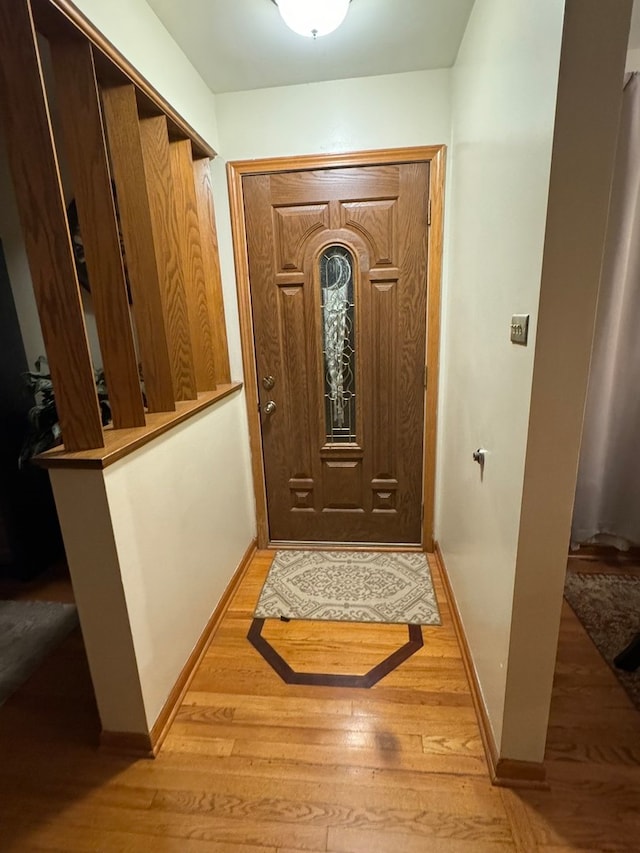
[[236, 171]]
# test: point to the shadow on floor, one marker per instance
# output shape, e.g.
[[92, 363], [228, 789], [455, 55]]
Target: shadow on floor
[[48, 746]]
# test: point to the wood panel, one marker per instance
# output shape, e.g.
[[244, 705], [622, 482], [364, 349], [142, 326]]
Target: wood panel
[[372, 157], [377, 221], [241, 263], [121, 442], [123, 133], [211, 264], [342, 485], [289, 279], [190, 247], [372, 182], [78, 105], [296, 381], [34, 169], [154, 138], [302, 493], [383, 374], [293, 226], [269, 359], [413, 318], [436, 235], [252, 765]]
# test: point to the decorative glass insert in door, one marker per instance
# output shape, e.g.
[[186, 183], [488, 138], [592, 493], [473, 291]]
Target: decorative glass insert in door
[[338, 340]]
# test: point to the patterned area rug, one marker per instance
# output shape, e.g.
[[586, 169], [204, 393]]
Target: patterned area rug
[[28, 631], [349, 586], [609, 608]]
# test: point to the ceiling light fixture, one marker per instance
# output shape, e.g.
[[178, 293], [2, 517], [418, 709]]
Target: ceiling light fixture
[[313, 18]]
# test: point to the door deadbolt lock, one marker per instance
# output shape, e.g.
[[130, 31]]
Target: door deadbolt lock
[[268, 382], [269, 407]]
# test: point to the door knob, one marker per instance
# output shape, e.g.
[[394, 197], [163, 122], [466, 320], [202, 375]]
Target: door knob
[[269, 407], [268, 382]]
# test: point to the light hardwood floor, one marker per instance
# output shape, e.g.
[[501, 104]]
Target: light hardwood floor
[[255, 766]]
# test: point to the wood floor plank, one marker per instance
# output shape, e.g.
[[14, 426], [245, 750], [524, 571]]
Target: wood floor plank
[[198, 745], [338, 737], [301, 793], [587, 830], [338, 757], [356, 787], [253, 765], [201, 826], [521, 829], [88, 840], [333, 815], [438, 794], [469, 840], [272, 704], [315, 769], [462, 743]]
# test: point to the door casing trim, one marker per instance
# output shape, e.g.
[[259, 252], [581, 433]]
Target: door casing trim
[[236, 170]]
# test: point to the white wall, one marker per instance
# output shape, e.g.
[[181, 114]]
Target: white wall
[[183, 515], [504, 91], [586, 130], [98, 588], [633, 59], [504, 108], [151, 542], [338, 115], [138, 34]]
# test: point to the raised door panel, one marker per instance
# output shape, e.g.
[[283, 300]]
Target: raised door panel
[[296, 388], [350, 184], [293, 226], [342, 482], [383, 375], [377, 222]]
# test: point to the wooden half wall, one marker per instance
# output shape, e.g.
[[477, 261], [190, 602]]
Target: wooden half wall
[[142, 192]]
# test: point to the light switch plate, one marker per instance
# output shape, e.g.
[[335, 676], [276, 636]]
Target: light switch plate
[[520, 329]]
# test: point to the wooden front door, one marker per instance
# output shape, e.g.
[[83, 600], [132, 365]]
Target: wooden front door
[[338, 272]]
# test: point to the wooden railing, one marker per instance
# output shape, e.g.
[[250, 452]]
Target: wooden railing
[[150, 247]]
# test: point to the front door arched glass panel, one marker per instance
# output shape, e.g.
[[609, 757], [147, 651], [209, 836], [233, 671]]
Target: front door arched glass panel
[[337, 299]]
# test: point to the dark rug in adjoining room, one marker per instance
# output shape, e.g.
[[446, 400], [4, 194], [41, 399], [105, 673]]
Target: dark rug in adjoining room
[[608, 605], [29, 630]]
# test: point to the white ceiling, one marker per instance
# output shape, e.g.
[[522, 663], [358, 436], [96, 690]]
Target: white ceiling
[[244, 44]]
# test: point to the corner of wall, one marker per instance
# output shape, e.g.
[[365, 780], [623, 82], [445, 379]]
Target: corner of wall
[[586, 129], [98, 590], [504, 89]]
